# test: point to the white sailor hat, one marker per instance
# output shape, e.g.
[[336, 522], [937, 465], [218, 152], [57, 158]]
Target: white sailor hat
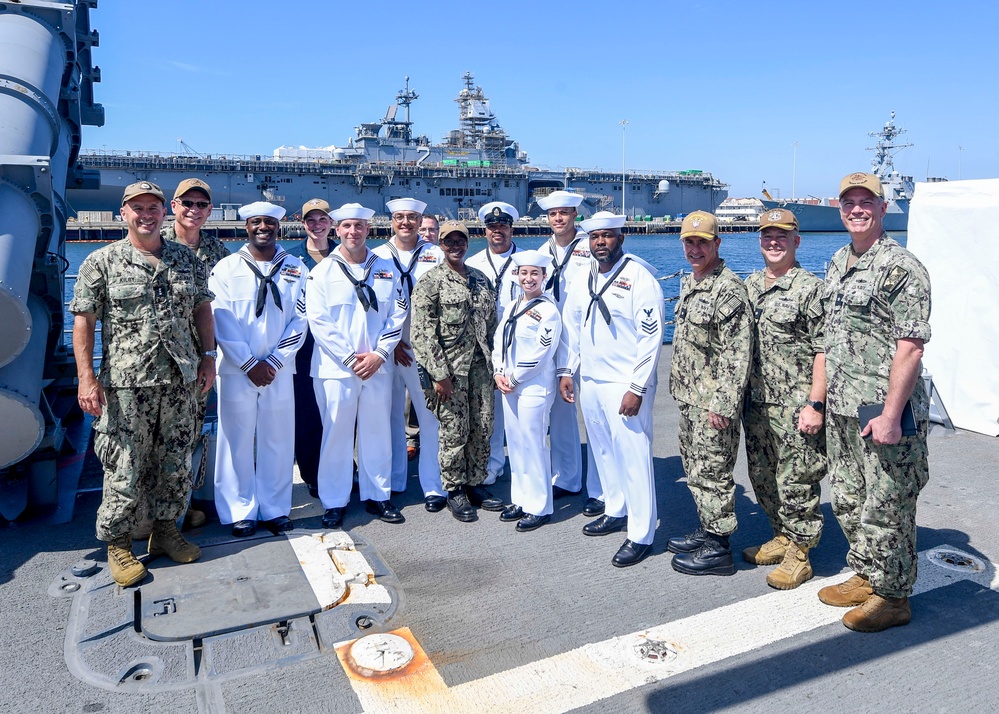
[[560, 199], [498, 212], [405, 204], [261, 208], [531, 257], [352, 210], [602, 221]]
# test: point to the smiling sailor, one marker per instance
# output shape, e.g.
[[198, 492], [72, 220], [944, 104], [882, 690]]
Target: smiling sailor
[[569, 249], [524, 371], [260, 324], [356, 307], [497, 264], [412, 257], [612, 335]]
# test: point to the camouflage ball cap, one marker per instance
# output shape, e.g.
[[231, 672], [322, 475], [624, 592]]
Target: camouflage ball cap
[[861, 180], [192, 184], [142, 187], [699, 223], [779, 218]]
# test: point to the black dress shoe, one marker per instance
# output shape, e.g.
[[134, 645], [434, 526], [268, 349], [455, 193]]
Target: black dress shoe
[[688, 543], [461, 508], [511, 513], [242, 529], [714, 557], [605, 525], [559, 492], [593, 507], [279, 524], [434, 504], [629, 554], [313, 490], [530, 521], [333, 518], [385, 511], [481, 498]]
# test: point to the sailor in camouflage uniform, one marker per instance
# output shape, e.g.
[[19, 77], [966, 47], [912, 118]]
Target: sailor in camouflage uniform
[[712, 350], [150, 295], [877, 303], [785, 439], [454, 318], [192, 206]]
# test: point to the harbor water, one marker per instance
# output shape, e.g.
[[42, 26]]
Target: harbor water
[[741, 252]]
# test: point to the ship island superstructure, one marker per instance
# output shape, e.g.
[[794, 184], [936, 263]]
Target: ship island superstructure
[[473, 165]]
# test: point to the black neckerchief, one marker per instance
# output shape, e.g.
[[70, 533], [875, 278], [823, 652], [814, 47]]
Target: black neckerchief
[[365, 293], [553, 281], [510, 328], [264, 281], [597, 297], [502, 271], [406, 273]]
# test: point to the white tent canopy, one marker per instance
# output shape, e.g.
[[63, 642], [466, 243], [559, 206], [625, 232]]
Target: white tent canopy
[[954, 230]]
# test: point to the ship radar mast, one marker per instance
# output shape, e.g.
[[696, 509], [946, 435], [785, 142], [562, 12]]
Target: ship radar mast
[[395, 129], [882, 165]]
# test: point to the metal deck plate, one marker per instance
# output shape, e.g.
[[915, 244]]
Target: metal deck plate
[[232, 586]]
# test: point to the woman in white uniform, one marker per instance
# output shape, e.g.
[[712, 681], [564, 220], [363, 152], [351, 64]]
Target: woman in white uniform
[[524, 370]]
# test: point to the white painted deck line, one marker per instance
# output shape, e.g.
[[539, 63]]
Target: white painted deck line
[[603, 669], [333, 567]]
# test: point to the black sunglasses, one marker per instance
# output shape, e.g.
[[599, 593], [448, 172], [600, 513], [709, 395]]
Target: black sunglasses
[[191, 204]]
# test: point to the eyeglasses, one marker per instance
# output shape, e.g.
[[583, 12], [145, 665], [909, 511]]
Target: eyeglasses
[[191, 204], [406, 217], [454, 242]]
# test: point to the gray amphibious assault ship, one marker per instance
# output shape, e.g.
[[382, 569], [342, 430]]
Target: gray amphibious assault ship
[[475, 164]]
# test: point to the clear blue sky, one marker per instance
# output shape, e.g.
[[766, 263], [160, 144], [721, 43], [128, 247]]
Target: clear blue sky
[[726, 87]]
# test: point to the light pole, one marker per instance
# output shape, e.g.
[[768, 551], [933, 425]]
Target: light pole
[[624, 125], [960, 154], [794, 171]]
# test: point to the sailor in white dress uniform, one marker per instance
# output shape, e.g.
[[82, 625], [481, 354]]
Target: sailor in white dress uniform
[[356, 309], [260, 323], [612, 334], [569, 249], [524, 349], [412, 257], [497, 264]]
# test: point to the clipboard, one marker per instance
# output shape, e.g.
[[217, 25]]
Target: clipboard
[[866, 412]]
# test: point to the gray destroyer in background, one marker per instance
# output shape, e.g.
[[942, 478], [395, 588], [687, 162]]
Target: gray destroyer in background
[[475, 164]]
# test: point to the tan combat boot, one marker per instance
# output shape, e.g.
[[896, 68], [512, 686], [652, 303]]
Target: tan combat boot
[[167, 540], [770, 553], [793, 570], [194, 519], [125, 567], [853, 592], [879, 613]]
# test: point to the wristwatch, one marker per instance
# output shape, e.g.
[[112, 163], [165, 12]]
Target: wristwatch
[[817, 406], [214, 354]]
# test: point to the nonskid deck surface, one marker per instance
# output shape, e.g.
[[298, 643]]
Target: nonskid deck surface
[[477, 617]]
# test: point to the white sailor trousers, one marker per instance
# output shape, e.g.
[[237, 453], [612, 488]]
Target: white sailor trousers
[[344, 402], [622, 449], [261, 421], [567, 459], [497, 457], [525, 413], [407, 378]]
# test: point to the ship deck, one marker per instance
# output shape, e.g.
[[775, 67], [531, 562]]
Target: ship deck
[[538, 622]]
